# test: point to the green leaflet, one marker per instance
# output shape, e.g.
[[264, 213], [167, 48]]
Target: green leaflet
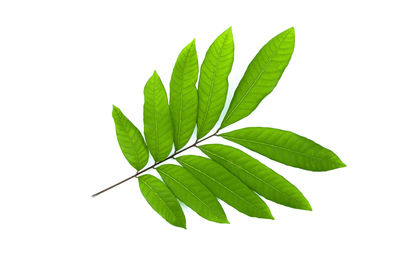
[[225, 186], [230, 175], [130, 140], [156, 118], [213, 82], [183, 95], [261, 76], [257, 176], [162, 200], [286, 147], [191, 192]]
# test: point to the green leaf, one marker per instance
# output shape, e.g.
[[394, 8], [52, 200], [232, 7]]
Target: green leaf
[[157, 120], [183, 95], [261, 76], [130, 140], [286, 147], [191, 192], [162, 200], [257, 176], [225, 186], [213, 82]]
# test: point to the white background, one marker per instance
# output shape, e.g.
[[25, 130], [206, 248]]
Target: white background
[[64, 63]]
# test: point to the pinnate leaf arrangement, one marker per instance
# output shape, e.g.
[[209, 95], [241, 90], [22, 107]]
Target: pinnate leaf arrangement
[[227, 173]]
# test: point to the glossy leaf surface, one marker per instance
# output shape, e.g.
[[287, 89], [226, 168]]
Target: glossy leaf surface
[[156, 118], [130, 140], [161, 199], [261, 76], [257, 176], [225, 186], [192, 192], [183, 95], [286, 147], [213, 82]]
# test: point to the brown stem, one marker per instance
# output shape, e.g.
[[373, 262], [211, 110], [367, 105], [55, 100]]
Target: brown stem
[[155, 164]]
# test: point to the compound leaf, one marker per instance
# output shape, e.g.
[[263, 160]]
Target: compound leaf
[[183, 95], [156, 118], [257, 176], [213, 82], [191, 192], [225, 186], [130, 140], [162, 200], [286, 147], [261, 76]]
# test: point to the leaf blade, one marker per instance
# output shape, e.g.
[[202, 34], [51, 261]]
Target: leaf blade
[[161, 199], [130, 140], [257, 176], [156, 118], [286, 147], [225, 186], [183, 95], [191, 192], [213, 82], [261, 76]]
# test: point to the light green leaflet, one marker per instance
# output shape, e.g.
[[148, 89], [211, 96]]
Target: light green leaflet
[[213, 82], [286, 147], [183, 95], [191, 192], [230, 175], [261, 76], [225, 186], [162, 200], [257, 176], [130, 140], [156, 118]]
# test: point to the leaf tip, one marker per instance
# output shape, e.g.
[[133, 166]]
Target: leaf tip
[[338, 163], [183, 225], [115, 109], [223, 220], [307, 206]]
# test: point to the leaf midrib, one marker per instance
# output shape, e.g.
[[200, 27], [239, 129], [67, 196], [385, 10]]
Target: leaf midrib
[[256, 80], [125, 124], [280, 147], [180, 98], [162, 200], [155, 120], [212, 83], [252, 204], [187, 189], [264, 182]]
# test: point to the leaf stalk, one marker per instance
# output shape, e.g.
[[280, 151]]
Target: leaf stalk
[[156, 164]]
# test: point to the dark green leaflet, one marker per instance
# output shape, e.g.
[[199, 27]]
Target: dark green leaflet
[[286, 147], [257, 176], [225, 186], [130, 140], [261, 76], [183, 95], [156, 118], [162, 200], [191, 192], [213, 82]]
